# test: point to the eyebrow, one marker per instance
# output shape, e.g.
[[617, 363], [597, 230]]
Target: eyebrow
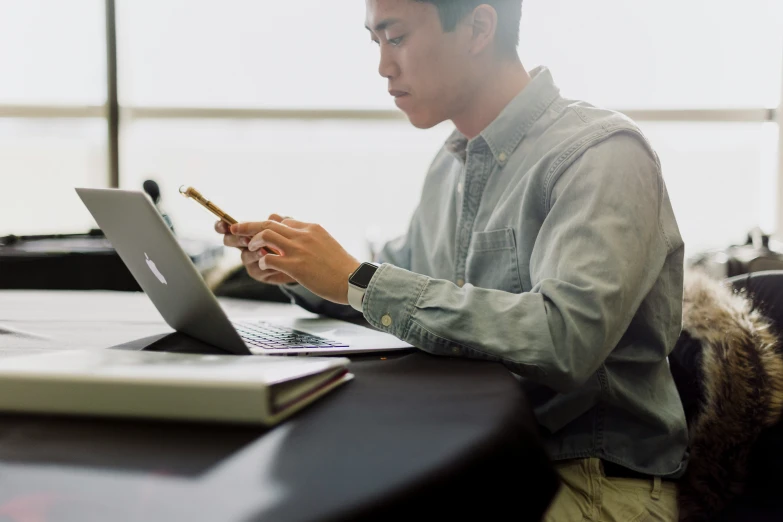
[[383, 24]]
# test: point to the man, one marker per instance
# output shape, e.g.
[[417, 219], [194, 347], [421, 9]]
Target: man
[[544, 239]]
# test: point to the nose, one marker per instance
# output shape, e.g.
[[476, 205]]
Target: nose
[[387, 67]]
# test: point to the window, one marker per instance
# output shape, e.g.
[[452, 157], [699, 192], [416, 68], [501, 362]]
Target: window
[[246, 53], [720, 178], [661, 54], [52, 52], [210, 92], [41, 161], [303, 169], [52, 61]]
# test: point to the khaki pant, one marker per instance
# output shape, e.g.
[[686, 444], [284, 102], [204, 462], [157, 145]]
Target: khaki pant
[[587, 494]]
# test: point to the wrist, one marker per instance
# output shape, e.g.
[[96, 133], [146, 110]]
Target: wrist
[[358, 282], [346, 282]]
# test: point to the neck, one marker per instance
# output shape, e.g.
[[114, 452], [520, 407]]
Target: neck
[[490, 97]]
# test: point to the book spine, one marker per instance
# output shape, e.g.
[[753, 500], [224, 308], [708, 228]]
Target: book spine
[[201, 402]]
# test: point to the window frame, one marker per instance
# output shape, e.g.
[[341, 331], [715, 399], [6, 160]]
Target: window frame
[[114, 114]]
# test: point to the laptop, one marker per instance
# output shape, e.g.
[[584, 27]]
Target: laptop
[[149, 249]]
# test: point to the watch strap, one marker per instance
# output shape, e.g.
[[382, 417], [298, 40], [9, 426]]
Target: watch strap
[[355, 290], [355, 297]]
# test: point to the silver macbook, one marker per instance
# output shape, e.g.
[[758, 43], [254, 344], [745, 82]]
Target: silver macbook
[[167, 275]]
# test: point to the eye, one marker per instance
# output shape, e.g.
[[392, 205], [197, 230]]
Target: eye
[[396, 41], [375, 41]]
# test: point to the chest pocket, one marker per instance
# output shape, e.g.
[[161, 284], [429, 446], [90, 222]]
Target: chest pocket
[[492, 261]]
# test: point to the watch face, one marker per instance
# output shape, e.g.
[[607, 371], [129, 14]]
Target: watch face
[[363, 274]]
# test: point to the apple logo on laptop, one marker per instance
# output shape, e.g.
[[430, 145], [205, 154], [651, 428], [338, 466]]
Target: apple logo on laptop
[[155, 270]]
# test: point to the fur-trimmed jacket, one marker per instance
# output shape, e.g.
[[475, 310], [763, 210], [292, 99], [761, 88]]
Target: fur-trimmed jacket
[[729, 371]]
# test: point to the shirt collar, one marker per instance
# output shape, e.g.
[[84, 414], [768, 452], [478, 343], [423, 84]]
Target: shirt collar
[[505, 133]]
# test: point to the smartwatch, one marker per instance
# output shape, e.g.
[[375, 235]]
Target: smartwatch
[[358, 282]]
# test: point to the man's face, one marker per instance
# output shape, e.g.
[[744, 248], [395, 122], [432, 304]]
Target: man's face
[[428, 70]]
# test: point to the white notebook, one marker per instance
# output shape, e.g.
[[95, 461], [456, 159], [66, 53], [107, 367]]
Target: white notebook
[[121, 383]]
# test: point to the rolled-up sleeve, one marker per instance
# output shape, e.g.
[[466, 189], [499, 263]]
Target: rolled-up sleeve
[[598, 253]]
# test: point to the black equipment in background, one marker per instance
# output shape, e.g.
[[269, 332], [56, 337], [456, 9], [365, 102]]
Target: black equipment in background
[[85, 261], [153, 191], [757, 254], [80, 262]]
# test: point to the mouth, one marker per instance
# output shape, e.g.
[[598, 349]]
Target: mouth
[[398, 94]]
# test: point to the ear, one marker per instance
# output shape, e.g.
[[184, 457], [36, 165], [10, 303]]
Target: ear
[[484, 23]]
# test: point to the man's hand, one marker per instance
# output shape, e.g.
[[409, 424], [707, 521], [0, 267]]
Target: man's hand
[[250, 259], [307, 254]]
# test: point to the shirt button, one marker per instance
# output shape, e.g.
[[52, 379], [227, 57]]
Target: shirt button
[[460, 283], [459, 188], [502, 156], [455, 349], [386, 320]]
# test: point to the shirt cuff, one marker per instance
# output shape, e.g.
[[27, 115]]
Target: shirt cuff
[[391, 297]]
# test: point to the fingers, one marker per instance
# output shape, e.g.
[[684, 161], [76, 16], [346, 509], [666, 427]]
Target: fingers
[[272, 277], [276, 263], [251, 258], [277, 278], [264, 275], [255, 227], [231, 240], [270, 239], [221, 227], [241, 239], [293, 223]]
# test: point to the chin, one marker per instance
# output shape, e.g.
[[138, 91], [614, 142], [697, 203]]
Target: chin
[[423, 121]]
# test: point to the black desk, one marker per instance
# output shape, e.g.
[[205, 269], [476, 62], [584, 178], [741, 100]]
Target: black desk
[[411, 435]]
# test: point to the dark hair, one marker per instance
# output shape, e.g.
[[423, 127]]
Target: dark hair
[[509, 16]]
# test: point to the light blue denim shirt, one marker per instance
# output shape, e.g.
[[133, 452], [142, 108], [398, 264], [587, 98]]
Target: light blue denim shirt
[[548, 243]]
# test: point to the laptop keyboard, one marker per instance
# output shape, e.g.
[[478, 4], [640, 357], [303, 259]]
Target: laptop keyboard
[[274, 337]]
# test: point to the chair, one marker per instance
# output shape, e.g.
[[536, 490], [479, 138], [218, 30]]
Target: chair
[[728, 368]]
